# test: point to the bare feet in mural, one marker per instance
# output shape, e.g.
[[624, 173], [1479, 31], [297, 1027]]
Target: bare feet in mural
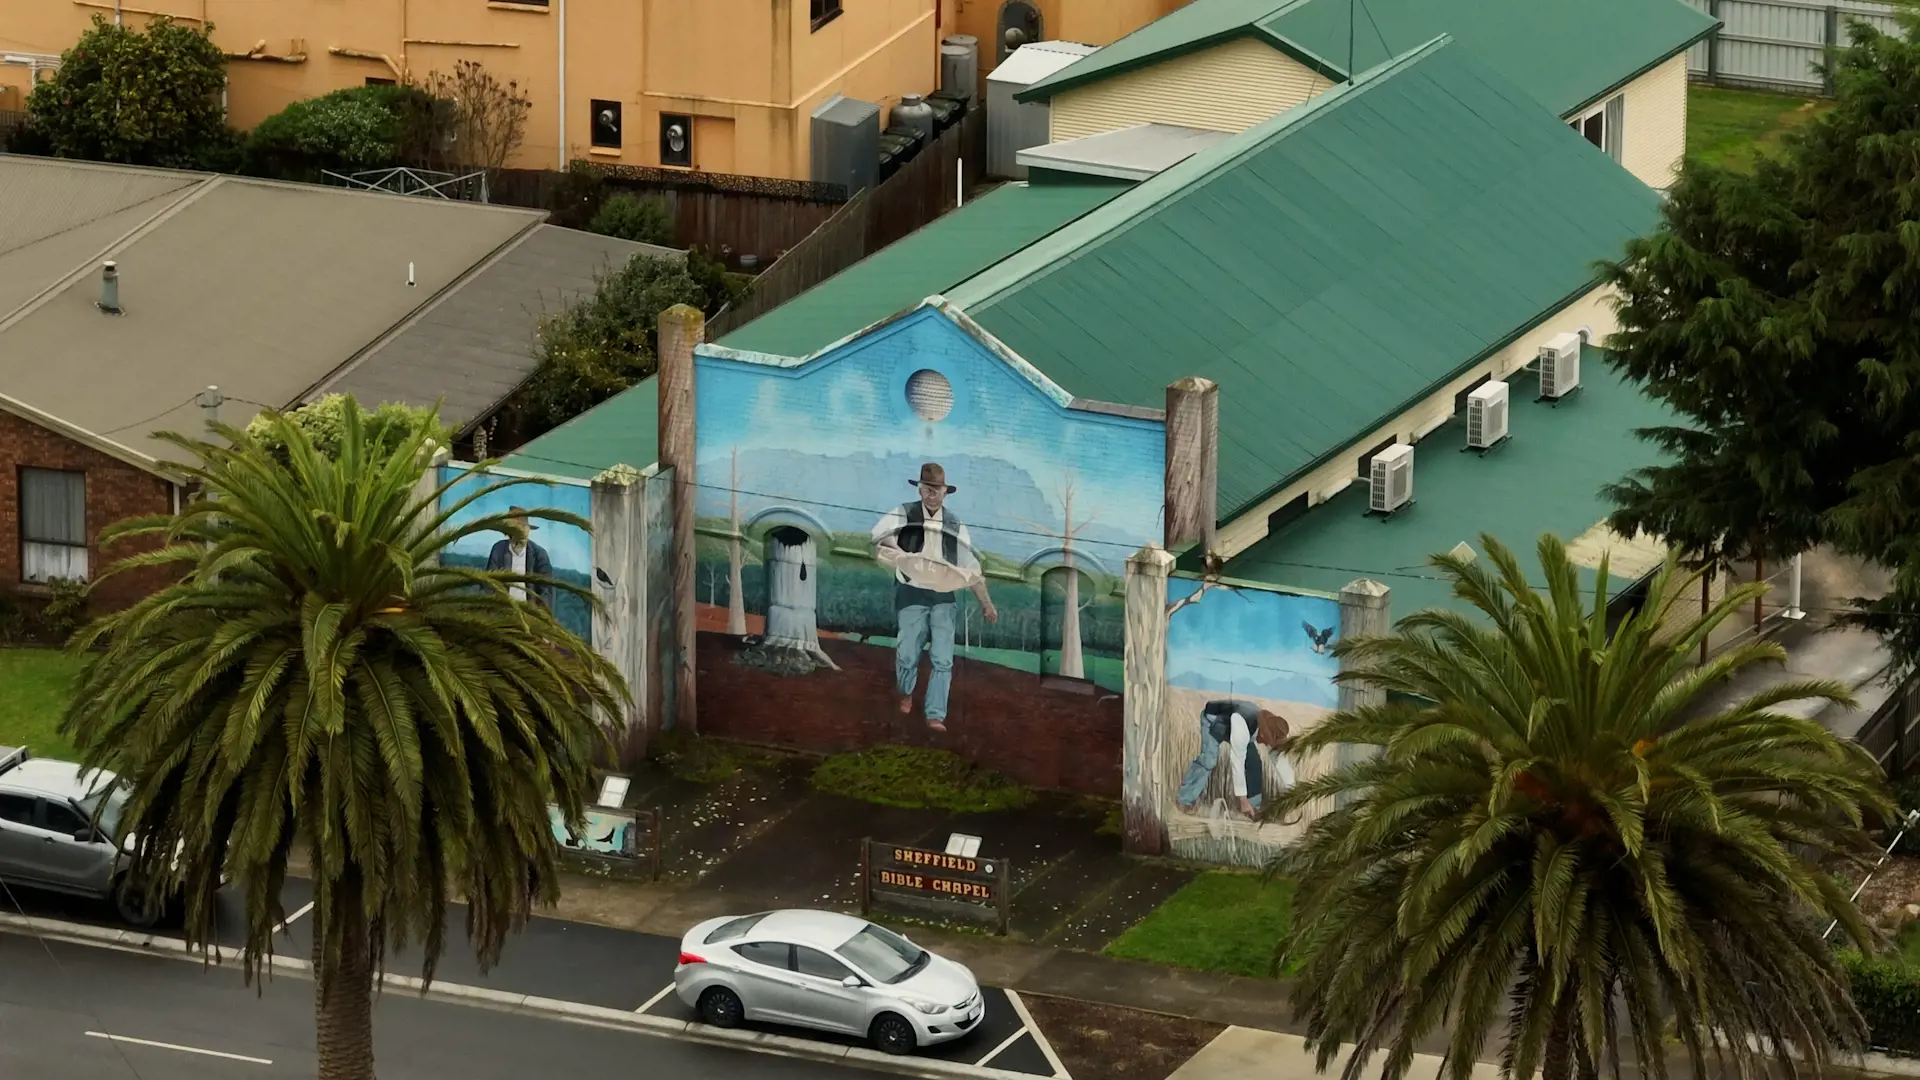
[[937, 725], [906, 706]]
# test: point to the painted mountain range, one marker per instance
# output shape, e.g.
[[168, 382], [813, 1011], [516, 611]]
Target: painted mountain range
[[1270, 685]]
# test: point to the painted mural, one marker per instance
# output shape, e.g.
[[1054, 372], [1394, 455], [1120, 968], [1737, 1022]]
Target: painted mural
[[563, 552], [919, 520], [1248, 671]]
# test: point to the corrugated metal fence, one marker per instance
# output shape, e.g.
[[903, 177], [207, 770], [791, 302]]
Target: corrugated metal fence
[[1777, 44]]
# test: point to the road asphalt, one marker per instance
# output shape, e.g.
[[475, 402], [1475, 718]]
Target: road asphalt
[[74, 1012]]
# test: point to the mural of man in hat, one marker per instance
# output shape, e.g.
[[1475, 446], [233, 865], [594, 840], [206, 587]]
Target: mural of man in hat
[[932, 557], [518, 554]]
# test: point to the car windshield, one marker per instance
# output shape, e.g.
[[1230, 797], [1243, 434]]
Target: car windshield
[[735, 928], [884, 954], [108, 818]]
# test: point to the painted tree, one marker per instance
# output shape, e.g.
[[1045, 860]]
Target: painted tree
[[736, 596], [1072, 654], [316, 678], [1559, 836], [1771, 314]]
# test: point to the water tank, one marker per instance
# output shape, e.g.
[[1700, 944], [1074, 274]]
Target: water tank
[[846, 143], [960, 65], [915, 113]]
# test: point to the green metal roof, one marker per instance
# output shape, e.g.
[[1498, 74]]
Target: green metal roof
[[1565, 53], [622, 430], [1329, 267], [1546, 478], [951, 249]]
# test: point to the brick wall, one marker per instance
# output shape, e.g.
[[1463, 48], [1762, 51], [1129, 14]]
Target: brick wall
[[115, 490]]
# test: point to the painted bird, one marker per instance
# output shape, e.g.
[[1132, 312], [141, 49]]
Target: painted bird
[[1319, 638]]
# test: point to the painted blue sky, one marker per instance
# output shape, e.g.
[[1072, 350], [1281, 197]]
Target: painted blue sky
[[568, 547], [1251, 642], [851, 405]]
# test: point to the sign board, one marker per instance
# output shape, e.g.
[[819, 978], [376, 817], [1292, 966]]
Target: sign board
[[612, 836], [928, 882]]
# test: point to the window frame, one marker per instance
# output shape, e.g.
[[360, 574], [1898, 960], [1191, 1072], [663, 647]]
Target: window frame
[[822, 12], [26, 536], [666, 119], [594, 105], [1612, 135], [49, 807], [763, 943], [33, 810], [845, 968]]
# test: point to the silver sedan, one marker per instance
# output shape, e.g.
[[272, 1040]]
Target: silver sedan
[[831, 972]]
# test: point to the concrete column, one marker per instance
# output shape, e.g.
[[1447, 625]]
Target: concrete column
[[1193, 457], [429, 482], [619, 584], [681, 329], [1143, 794], [1365, 611]]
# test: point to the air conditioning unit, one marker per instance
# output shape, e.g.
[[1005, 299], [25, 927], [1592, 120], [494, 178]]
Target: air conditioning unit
[[1392, 479], [1487, 416], [1559, 366]]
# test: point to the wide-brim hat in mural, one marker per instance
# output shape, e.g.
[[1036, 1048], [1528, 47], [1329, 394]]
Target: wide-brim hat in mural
[[935, 475], [519, 514]]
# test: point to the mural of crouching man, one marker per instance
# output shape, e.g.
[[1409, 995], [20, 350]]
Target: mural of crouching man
[[1237, 725], [923, 598], [518, 554]]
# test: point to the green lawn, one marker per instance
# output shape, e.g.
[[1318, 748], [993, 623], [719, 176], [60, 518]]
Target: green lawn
[[1725, 127], [33, 693], [1224, 921]]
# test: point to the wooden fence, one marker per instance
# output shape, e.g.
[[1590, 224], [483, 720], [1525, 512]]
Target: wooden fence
[[11, 121], [1775, 44], [1888, 734], [922, 190]]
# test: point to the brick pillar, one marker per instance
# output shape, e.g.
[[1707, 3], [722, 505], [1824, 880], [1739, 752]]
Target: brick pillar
[[682, 327]]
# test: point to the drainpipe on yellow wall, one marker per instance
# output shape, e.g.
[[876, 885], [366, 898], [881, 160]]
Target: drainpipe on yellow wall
[[562, 23]]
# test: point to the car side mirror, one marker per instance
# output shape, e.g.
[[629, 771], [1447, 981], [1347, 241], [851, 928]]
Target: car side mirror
[[83, 836], [852, 982]]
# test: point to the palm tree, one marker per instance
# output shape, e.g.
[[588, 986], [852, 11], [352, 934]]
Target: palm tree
[[316, 677], [1557, 834]]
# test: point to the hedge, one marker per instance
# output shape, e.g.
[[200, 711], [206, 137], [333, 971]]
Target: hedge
[[1887, 993]]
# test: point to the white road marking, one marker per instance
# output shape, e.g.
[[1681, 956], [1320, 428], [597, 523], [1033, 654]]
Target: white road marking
[[655, 999], [1046, 1048], [177, 1046], [293, 918], [995, 1052]]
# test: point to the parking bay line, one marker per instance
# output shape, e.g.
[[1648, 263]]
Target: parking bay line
[[655, 999], [177, 1046], [293, 918], [996, 1051], [1039, 1039]]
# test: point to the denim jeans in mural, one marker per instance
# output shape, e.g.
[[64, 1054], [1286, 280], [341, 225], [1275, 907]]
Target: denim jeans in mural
[[1201, 768], [917, 623]]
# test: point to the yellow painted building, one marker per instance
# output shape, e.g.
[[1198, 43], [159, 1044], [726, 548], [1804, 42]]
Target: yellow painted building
[[715, 85]]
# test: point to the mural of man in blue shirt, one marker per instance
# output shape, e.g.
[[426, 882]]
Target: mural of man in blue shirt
[[1238, 725], [926, 577]]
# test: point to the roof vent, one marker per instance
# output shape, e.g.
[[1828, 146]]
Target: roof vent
[[1487, 416], [109, 288], [1559, 366], [1392, 480]]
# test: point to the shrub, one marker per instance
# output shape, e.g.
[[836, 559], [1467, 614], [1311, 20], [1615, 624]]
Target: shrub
[[65, 609], [919, 779], [1888, 997], [360, 127], [642, 218], [388, 426], [147, 97]]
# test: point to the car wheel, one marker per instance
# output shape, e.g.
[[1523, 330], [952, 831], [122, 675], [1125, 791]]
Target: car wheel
[[891, 1034], [721, 1007], [137, 908]]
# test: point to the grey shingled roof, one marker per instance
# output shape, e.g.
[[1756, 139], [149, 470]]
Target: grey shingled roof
[[474, 345]]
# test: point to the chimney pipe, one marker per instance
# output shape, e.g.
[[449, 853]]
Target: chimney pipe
[[109, 288]]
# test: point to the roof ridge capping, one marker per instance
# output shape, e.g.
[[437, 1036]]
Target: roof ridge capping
[[1143, 199], [1216, 21]]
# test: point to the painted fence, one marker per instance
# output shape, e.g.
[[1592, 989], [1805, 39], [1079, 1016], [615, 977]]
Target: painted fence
[[1776, 44]]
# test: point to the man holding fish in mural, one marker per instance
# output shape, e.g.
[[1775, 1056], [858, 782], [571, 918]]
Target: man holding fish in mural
[[932, 558], [1240, 725]]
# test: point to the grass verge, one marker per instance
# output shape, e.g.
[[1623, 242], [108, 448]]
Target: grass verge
[[1727, 127], [34, 687], [1224, 921], [918, 779]]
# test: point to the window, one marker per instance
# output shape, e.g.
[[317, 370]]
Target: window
[[1366, 460], [371, 81], [773, 954], [61, 818], [736, 928], [823, 12], [930, 395], [814, 962], [1460, 399], [1604, 126], [16, 810], [676, 140], [605, 126], [53, 525], [1295, 509], [884, 954]]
